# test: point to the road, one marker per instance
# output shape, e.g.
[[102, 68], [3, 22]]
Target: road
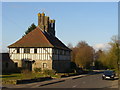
[[89, 81], [92, 81]]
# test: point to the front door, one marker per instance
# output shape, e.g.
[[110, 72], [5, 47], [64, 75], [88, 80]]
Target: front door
[[28, 65]]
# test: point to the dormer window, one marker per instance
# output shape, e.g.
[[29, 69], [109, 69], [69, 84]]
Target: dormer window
[[26, 50]]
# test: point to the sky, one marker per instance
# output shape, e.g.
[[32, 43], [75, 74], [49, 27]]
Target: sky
[[93, 22]]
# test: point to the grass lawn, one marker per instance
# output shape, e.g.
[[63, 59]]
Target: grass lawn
[[19, 76], [10, 78]]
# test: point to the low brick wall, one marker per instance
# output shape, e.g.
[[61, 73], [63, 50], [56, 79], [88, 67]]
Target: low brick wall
[[33, 80], [9, 82], [25, 81]]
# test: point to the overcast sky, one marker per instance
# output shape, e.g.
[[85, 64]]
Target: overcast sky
[[93, 22]]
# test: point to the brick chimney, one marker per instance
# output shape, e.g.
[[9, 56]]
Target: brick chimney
[[46, 24], [39, 19], [52, 26]]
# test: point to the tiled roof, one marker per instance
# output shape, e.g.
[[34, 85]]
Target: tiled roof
[[55, 41], [37, 38]]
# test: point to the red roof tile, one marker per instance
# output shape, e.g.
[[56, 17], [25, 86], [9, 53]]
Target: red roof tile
[[37, 38]]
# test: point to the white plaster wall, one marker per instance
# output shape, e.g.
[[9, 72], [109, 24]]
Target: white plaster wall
[[42, 54]]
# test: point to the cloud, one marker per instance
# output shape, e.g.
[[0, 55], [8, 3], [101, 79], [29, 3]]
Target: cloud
[[102, 46]]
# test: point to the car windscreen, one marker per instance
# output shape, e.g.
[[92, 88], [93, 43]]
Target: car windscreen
[[108, 72]]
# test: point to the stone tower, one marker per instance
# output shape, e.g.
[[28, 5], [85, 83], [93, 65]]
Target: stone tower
[[46, 24]]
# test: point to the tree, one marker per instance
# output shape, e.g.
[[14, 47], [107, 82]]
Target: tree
[[114, 51], [84, 55], [103, 58], [70, 45], [110, 58], [74, 53], [31, 28], [82, 44], [98, 64]]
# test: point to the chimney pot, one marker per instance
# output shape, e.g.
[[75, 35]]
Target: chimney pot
[[46, 24], [43, 14], [53, 21], [39, 14]]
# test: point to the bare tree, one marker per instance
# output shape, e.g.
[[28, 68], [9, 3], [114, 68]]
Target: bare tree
[[83, 54], [70, 45]]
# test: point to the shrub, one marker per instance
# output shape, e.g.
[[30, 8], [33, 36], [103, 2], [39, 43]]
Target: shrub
[[26, 73], [56, 76], [49, 72], [37, 69]]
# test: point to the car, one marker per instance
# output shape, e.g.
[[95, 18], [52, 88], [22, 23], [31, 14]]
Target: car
[[109, 74]]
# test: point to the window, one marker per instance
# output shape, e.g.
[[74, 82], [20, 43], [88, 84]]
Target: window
[[35, 50], [26, 50], [44, 65], [64, 52], [60, 52], [68, 52], [18, 50], [55, 51]]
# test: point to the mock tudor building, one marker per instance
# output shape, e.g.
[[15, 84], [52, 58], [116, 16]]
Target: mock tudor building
[[41, 48]]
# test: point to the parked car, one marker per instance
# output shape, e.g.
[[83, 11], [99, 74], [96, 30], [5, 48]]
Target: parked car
[[108, 75]]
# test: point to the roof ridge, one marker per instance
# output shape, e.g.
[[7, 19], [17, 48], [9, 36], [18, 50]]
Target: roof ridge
[[21, 38], [39, 38], [44, 35], [28, 35]]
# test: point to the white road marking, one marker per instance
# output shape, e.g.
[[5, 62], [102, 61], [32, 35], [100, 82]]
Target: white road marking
[[75, 86]]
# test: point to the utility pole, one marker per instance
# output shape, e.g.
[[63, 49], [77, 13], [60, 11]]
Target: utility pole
[[93, 61], [118, 63], [118, 46]]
